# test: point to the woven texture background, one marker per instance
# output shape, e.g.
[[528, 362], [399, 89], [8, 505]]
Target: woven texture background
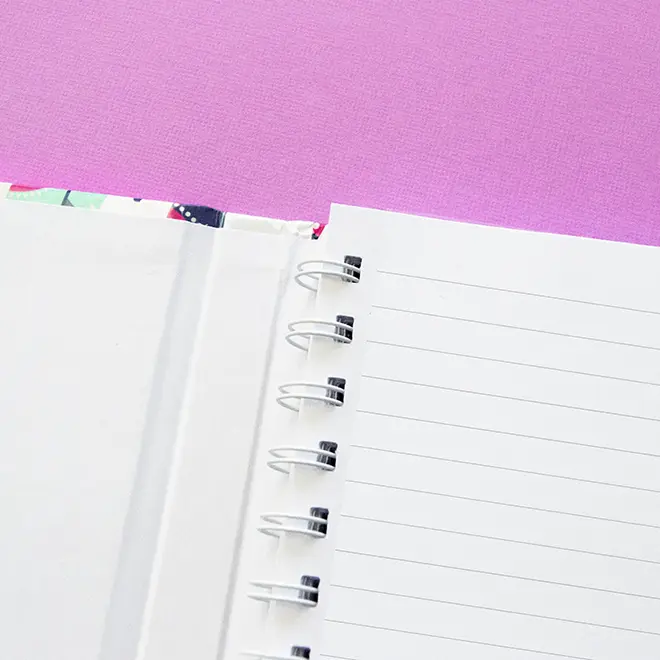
[[531, 113]]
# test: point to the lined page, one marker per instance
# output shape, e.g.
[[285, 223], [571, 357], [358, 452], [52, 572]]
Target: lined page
[[502, 498]]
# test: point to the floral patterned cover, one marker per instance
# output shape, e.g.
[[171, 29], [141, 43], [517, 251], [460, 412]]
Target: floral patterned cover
[[204, 215]]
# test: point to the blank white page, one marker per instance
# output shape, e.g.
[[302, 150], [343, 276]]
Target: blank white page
[[502, 494], [84, 311], [133, 352]]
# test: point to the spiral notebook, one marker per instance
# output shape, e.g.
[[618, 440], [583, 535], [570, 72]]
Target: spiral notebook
[[447, 446]]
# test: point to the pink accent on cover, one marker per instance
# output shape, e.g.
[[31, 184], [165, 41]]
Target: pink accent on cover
[[17, 188], [174, 214], [531, 113]]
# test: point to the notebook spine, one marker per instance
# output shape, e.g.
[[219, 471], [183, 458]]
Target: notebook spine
[[329, 394]]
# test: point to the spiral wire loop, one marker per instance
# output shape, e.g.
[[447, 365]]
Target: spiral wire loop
[[304, 594], [332, 393], [315, 523], [311, 271], [301, 331], [324, 458], [296, 652]]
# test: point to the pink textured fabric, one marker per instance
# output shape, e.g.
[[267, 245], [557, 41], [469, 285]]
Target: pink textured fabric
[[531, 113]]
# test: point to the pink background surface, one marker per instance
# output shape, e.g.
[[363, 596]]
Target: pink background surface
[[532, 113]]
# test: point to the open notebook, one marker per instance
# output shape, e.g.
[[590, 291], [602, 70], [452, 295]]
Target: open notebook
[[454, 454]]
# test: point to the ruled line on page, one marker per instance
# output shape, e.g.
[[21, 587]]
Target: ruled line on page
[[505, 469], [507, 504], [423, 420], [458, 639], [531, 294], [596, 411], [426, 599], [501, 539], [515, 327], [506, 576], [509, 362]]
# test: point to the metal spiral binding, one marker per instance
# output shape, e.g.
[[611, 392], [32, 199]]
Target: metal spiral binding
[[305, 593], [310, 272], [314, 523], [324, 458], [304, 652], [301, 332], [331, 393]]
